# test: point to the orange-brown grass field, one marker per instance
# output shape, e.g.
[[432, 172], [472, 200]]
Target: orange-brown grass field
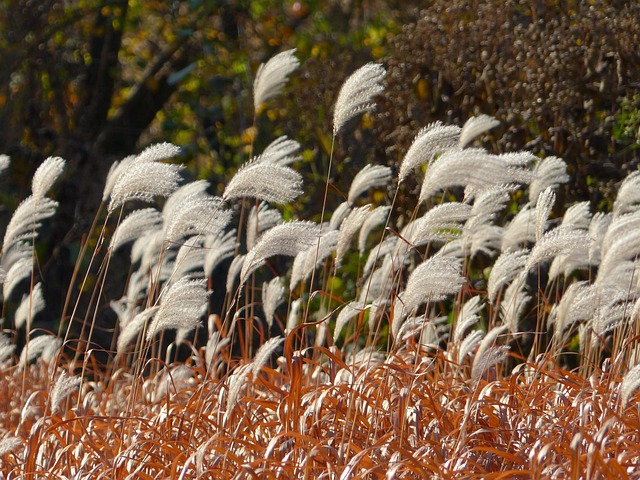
[[488, 333]]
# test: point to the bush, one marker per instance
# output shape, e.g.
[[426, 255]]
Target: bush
[[555, 73]]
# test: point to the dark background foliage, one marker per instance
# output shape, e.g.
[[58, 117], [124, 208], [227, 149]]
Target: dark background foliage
[[562, 77]]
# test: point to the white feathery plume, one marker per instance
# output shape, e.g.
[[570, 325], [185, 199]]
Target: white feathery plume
[[576, 304], [629, 385], [430, 141], [478, 234], [321, 332], [584, 335], [126, 171], [144, 243], [520, 230], [349, 311], [430, 331], [310, 259], [124, 309], [218, 248], [486, 239], [453, 249], [236, 383], [65, 385], [287, 239], [467, 317], [380, 283], [476, 126], [234, 270], [371, 176], [488, 354], [602, 305], [548, 172], [597, 230], [339, 214], [147, 250], [376, 312], [473, 167], [181, 306], [30, 306], [272, 76], [144, 181], [431, 281], [634, 316], [10, 444], [488, 202], [261, 219], [5, 161], [168, 380], [489, 358], [6, 348], [399, 316], [578, 218], [292, 319], [441, 223], [349, 227], [264, 181], [44, 346], [135, 225], [377, 217], [189, 260], [174, 202], [115, 171], [138, 287], [45, 176], [199, 214], [272, 297], [215, 344], [166, 263], [264, 352], [628, 196], [182, 335], [514, 303], [26, 220], [489, 340], [405, 329], [620, 243], [157, 152], [130, 329], [522, 158], [634, 356], [619, 227], [20, 270], [556, 242], [379, 252], [505, 269], [282, 151], [430, 336], [609, 316], [9, 257], [356, 94], [544, 205], [469, 342]]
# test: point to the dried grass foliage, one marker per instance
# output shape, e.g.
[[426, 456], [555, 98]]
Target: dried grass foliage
[[407, 416]]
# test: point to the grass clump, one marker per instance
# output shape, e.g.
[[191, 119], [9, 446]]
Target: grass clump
[[481, 334]]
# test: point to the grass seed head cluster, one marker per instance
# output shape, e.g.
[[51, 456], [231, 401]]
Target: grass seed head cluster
[[449, 358]]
